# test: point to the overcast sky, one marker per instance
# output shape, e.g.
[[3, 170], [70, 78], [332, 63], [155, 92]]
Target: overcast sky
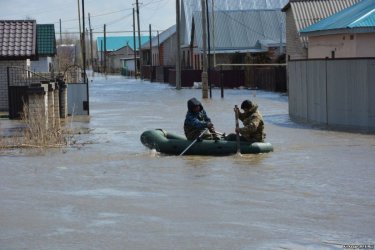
[[116, 14]]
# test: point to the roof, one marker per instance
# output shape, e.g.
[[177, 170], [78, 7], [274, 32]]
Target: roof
[[114, 43], [244, 31], [46, 41], [358, 18], [163, 36], [17, 39], [308, 12], [189, 7]]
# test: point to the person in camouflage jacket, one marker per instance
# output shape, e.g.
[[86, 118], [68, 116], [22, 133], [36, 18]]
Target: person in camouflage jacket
[[252, 120], [253, 129], [196, 121]]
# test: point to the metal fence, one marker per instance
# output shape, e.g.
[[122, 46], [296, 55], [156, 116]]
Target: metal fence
[[334, 92]]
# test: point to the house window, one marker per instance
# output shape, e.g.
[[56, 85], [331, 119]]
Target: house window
[[351, 37]]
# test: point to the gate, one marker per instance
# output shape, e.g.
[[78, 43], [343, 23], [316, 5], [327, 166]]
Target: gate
[[78, 96]]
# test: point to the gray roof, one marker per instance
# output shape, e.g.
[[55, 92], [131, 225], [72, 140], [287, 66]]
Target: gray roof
[[244, 31], [163, 36], [357, 18], [189, 7], [17, 39], [308, 12]]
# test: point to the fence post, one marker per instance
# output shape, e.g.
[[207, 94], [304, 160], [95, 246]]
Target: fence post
[[222, 81], [8, 79]]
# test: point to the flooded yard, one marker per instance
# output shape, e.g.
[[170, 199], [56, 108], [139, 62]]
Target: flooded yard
[[315, 191]]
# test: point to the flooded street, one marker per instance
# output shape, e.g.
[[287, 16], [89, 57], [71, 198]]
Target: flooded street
[[315, 191]]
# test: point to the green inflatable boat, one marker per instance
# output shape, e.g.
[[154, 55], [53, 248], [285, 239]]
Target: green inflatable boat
[[169, 143]]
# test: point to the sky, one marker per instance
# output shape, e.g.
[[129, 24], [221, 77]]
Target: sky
[[116, 14]]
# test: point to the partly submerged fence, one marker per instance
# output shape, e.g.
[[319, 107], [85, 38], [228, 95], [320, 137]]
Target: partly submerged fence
[[27, 87], [333, 92], [266, 77]]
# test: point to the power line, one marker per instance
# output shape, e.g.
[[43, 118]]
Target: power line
[[117, 31]]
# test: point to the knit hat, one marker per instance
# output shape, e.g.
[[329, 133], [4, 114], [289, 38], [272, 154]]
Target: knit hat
[[247, 104]]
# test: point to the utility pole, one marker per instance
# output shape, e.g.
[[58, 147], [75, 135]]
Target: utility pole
[[60, 33], [281, 39], [204, 72], [85, 80], [105, 50], [209, 49], [178, 38], [139, 41], [101, 56], [134, 47], [213, 32], [159, 63], [80, 29], [150, 60], [91, 49]]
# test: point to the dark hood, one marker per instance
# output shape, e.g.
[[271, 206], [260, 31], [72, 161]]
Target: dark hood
[[192, 103]]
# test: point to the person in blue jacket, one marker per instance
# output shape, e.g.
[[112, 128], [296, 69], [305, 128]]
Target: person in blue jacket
[[196, 121]]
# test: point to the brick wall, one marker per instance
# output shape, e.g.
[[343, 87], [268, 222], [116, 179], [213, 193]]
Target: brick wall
[[56, 107], [294, 45], [4, 81], [38, 107]]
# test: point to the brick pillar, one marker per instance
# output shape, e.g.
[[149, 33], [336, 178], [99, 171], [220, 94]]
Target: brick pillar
[[50, 104], [63, 94], [38, 108], [56, 106]]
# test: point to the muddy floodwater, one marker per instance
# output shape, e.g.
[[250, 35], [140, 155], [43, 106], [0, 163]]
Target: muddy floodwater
[[315, 191]]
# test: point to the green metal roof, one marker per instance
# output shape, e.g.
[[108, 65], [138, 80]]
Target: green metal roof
[[45, 38], [114, 43], [360, 16]]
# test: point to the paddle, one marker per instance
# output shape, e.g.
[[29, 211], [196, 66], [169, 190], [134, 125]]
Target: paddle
[[186, 149], [237, 127]]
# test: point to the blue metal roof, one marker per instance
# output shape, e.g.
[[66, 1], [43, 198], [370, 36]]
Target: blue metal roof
[[114, 43], [358, 16]]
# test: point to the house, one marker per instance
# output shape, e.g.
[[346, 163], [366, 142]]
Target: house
[[163, 48], [189, 7], [348, 33], [242, 32], [334, 86], [161, 57], [237, 34], [17, 44], [118, 59], [46, 48], [303, 13], [116, 49]]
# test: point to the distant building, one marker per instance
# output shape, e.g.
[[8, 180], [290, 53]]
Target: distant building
[[111, 51], [189, 7], [348, 33], [235, 35], [164, 47], [122, 58]]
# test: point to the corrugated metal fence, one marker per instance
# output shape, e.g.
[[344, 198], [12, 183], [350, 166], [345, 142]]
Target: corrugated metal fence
[[334, 92]]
